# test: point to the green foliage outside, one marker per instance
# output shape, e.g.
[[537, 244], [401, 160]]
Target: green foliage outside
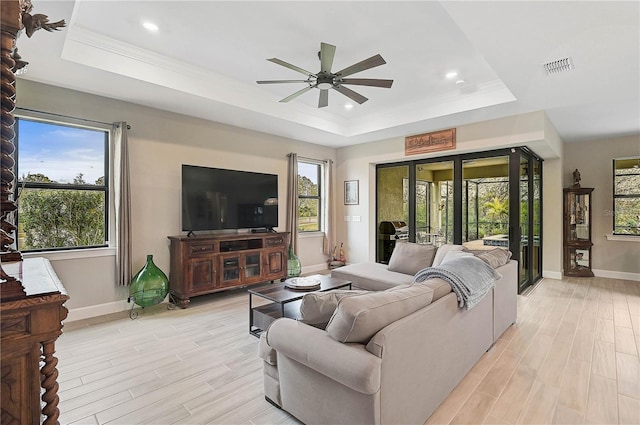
[[497, 212], [627, 210], [307, 208], [56, 218]]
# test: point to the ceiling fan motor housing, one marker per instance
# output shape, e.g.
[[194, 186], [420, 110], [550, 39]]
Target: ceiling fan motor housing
[[324, 80]]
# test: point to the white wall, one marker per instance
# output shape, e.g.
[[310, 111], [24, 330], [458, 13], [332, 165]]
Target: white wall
[[159, 143], [594, 159]]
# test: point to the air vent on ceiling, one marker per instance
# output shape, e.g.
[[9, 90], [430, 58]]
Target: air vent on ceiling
[[558, 66]]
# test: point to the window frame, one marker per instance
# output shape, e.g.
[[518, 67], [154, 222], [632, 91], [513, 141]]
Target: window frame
[[319, 197], [617, 196], [105, 188]]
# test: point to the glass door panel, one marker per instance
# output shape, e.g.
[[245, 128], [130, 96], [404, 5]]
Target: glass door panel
[[537, 220], [524, 221], [485, 203], [230, 268], [252, 265], [392, 185], [434, 203]]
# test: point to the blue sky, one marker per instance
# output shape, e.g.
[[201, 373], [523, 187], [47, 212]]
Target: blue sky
[[60, 152], [308, 170]]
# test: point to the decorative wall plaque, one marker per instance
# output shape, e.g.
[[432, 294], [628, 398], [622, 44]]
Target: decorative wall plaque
[[430, 142]]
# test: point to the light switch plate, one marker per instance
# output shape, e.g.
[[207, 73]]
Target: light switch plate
[[356, 218]]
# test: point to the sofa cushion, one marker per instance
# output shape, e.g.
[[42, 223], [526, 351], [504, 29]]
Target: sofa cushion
[[440, 287], [318, 307], [371, 276], [409, 257], [442, 252], [496, 257], [358, 318], [455, 254]]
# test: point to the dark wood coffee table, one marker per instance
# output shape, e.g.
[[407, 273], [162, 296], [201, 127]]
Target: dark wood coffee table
[[285, 302]]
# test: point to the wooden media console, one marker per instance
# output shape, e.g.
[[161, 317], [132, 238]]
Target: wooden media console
[[205, 264]]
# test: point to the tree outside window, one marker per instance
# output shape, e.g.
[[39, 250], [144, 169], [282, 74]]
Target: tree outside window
[[626, 196], [62, 186], [309, 196]]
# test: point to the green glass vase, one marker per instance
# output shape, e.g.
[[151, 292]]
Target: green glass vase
[[293, 264], [149, 286]]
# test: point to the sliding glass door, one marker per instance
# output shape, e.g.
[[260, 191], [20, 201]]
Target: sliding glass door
[[481, 200]]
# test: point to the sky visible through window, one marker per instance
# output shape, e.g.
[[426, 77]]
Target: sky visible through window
[[60, 152], [309, 171]]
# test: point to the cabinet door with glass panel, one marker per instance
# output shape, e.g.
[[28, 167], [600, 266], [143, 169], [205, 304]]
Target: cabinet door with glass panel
[[239, 269], [577, 231]]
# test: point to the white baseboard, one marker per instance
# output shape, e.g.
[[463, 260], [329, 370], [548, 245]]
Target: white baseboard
[[551, 275], [617, 275], [97, 310], [315, 268]]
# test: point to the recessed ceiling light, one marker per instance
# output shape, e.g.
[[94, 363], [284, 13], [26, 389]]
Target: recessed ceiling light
[[460, 82], [150, 26], [452, 74], [348, 106]]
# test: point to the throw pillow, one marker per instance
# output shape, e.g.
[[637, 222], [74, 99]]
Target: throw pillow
[[442, 251], [358, 319], [455, 254], [409, 257], [317, 307], [497, 257]]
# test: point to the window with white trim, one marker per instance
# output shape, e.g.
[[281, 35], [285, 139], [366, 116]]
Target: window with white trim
[[626, 196], [310, 202], [62, 185]]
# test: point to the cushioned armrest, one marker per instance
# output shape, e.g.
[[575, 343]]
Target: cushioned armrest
[[265, 351], [349, 364]]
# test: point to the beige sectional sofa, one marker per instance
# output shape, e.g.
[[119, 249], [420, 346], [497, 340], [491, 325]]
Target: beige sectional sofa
[[390, 356]]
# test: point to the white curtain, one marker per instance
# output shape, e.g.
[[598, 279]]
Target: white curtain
[[292, 201], [329, 231], [122, 202]]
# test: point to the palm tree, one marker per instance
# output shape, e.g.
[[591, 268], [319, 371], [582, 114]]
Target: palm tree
[[497, 210]]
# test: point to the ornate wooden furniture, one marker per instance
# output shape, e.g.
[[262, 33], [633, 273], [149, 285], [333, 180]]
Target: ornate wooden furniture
[[29, 327], [577, 231], [31, 296], [205, 264]]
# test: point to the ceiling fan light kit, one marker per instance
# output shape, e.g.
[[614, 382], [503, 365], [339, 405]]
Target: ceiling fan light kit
[[325, 80]]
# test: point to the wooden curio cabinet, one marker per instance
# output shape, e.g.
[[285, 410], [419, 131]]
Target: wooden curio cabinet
[[577, 231]]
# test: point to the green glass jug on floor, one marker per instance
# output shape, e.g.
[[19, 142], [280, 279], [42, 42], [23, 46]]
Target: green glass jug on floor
[[149, 286]]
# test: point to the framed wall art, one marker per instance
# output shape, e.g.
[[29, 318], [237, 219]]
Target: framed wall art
[[351, 192]]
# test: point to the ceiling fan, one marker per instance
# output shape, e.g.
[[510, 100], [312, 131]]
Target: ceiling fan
[[325, 79]]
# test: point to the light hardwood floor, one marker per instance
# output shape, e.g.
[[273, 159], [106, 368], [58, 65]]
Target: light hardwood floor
[[571, 358]]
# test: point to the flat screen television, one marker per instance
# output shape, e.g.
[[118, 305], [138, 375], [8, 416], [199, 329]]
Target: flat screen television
[[219, 199]]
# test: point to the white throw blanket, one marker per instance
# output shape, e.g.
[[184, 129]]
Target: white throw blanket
[[470, 277]]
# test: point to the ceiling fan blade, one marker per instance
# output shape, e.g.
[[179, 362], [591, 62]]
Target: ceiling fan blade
[[367, 82], [288, 65], [356, 97], [296, 94], [324, 98], [372, 62], [282, 81], [327, 52]]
